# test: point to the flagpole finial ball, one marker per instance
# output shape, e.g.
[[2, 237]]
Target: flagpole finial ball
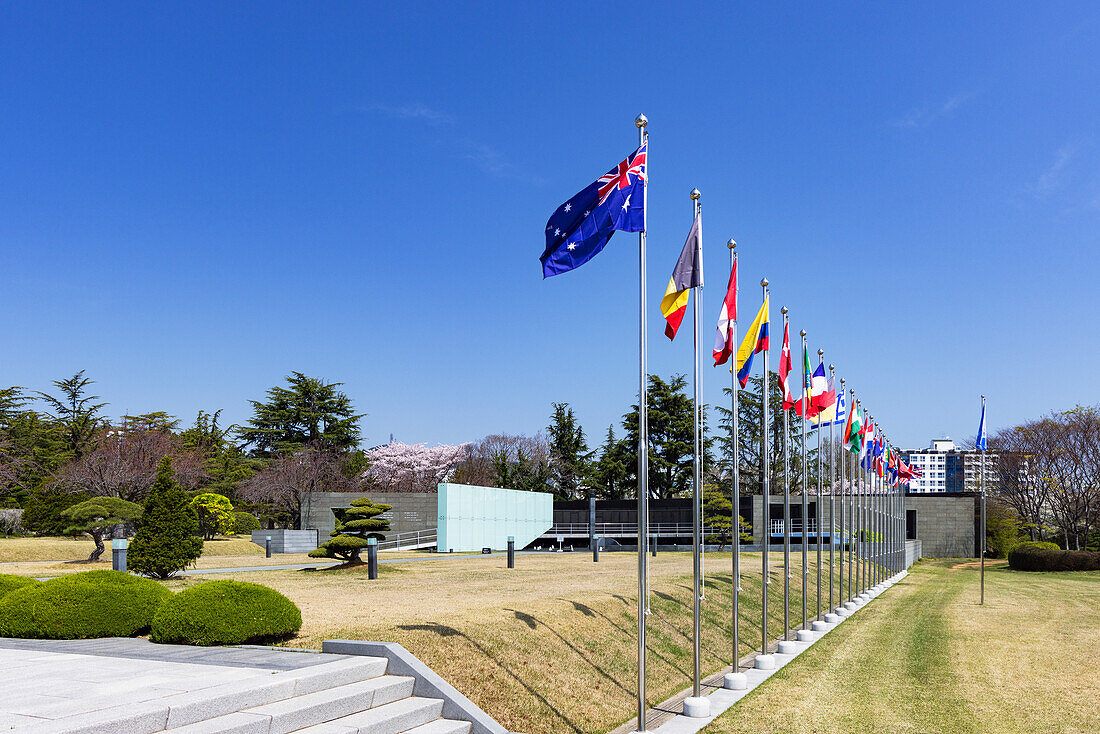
[[764, 282], [820, 352], [831, 368], [731, 244], [641, 121], [695, 194], [802, 333], [783, 310]]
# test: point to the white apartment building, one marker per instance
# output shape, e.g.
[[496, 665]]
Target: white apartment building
[[947, 468]]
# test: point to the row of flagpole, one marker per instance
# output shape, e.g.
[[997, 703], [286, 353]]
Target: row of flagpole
[[576, 232]]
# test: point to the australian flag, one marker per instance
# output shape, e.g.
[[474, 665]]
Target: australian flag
[[580, 227]]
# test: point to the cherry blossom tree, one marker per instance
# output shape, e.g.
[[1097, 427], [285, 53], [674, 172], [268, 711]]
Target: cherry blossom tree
[[402, 467]]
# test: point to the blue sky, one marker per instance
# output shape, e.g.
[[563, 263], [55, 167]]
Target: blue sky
[[196, 199]]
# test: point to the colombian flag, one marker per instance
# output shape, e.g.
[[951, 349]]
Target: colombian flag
[[756, 340]]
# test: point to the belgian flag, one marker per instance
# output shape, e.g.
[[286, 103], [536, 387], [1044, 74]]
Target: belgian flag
[[687, 274]]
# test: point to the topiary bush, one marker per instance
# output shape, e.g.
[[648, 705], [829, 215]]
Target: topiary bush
[[9, 582], [165, 541], [354, 525], [245, 522], [225, 613], [1037, 557], [82, 606]]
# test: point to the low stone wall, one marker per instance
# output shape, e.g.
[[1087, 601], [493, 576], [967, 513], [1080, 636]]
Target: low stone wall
[[287, 541], [912, 552]]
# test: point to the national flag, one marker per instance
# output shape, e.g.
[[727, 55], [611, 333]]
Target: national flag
[[807, 387], [853, 431], [723, 340], [785, 368], [687, 274], [833, 413], [821, 392], [578, 230], [980, 443], [756, 340]]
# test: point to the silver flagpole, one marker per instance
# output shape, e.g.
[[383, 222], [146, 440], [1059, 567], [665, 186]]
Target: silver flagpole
[[805, 484], [981, 493], [697, 478], [817, 506], [842, 459], [765, 466], [786, 514], [832, 492], [735, 680], [643, 452]]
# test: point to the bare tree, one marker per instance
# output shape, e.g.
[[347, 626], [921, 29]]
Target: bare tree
[[290, 478], [486, 458], [124, 464]]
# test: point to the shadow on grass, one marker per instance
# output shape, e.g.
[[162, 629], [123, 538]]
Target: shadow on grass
[[445, 631], [629, 634], [533, 622]]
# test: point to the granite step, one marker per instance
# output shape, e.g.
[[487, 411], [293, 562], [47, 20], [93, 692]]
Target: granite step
[[391, 718]]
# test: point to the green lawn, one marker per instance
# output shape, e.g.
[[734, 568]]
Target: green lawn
[[925, 657]]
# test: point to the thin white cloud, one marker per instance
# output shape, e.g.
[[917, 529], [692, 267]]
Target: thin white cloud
[[415, 111], [925, 116], [1053, 177]]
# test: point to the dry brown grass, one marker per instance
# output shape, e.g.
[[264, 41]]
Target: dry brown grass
[[547, 647], [33, 550]]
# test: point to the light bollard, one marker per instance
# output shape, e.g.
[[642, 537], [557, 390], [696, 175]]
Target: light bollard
[[267, 546], [511, 552], [654, 545], [118, 554], [372, 558], [595, 550]]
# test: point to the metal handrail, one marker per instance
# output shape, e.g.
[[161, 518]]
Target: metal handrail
[[410, 539]]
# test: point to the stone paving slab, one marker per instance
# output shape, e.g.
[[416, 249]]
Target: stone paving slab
[[125, 648]]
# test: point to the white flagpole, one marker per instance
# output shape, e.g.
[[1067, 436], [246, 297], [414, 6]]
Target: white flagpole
[[699, 707], [981, 492], [736, 679], [832, 491], [786, 513], [643, 451], [805, 485], [765, 661], [817, 506]]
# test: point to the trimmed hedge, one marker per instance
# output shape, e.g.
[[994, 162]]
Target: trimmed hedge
[[9, 582], [225, 613], [82, 606], [1039, 557]]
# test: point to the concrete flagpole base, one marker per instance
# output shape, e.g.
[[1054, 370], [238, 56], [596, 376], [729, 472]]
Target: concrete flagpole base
[[851, 606], [697, 707], [788, 647], [764, 662], [819, 626], [831, 618], [805, 636], [735, 681]]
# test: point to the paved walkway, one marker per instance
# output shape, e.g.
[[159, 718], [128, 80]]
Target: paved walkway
[[52, 679]]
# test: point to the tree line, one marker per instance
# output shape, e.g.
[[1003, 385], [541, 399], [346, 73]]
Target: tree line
[[1048, 481], [58, 448]]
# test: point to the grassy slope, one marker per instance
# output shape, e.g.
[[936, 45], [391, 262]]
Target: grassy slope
[[547, 647], [926, 657]]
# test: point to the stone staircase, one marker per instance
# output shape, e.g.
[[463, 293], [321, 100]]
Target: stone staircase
[[352, 696]]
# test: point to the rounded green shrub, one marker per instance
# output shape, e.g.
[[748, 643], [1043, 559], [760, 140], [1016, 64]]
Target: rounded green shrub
[[8, 582], [245, 522], [225, 613], [1037, 557], [82, 606]]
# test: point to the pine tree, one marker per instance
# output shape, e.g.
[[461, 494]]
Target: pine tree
[[166, 541], [568, 452], [97, 516], [611, 473], [354, 525], [308, 412]]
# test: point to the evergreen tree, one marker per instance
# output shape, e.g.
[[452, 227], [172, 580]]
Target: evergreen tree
[[611, 474], [569, 456], [42, 514], [77, 412], [214, 513], [226, 464], [307, 412], [165, 542], [671, 437], [718, 515], [97, 516], [354, 525], [750, 419]]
